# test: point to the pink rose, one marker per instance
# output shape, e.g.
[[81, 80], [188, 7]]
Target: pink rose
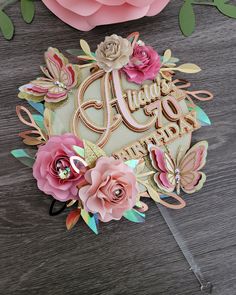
[[144, 64], [84, 15], [52, 168], [111, 190]]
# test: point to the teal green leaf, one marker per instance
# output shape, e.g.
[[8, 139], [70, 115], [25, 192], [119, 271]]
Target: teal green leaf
[[90, 221], [24, 157], [27, 10], [187, 19], [225, 8], [201, 116], [38, 106], [6, 26], [39, 120], [79, 151], [134, 216], [132, 163]]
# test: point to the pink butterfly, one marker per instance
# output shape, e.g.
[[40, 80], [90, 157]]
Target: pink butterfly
[[60, 78], [182, 172]]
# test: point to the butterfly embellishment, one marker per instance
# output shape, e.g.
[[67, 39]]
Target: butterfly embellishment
[[180, 173], [60, 78]]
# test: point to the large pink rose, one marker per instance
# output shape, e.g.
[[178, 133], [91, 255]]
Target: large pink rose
[[53, 171], [87, 14], [111, 190], [144, 64]]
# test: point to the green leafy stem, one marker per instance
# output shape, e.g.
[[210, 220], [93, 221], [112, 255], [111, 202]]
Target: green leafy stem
[[187, 20], [6, 24]]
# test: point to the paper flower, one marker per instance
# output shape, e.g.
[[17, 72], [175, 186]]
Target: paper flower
[[61, 77], [113, 53], [144, 64], [87, 14], [111, 190], [52, 168]]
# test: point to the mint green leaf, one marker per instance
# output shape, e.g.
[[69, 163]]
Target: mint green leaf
[[24, 157], [132, 163], [6, 26], [187, 19], [79, 151], [134, 216], [227, 9], [27, 10], [201, 116], [39, 120]]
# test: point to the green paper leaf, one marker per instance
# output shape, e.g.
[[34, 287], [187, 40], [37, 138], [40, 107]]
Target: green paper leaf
[[39, 120], [75, 52], [134, 216], [79, 150], [187, 19], [201, 116], [27, 10], [24, 157], [37, 106], [6, 26], [225, 8], [90, 221]]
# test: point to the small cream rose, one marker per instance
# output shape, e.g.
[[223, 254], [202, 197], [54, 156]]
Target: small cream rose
[[113, 53]]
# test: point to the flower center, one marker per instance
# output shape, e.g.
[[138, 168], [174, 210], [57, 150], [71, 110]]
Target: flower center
[[118, 193], [60, 84], [63, 172]]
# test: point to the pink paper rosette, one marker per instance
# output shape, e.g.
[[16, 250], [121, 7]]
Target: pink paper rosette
[[84, 15]]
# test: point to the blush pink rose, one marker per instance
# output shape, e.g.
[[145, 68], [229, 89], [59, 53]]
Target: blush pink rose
[[53, 171], [84, 15], [144, 64], [111, 189]]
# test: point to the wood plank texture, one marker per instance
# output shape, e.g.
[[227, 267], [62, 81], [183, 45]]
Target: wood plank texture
[[39, 256]]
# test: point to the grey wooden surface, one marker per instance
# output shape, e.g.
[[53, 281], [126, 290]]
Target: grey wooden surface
[[38, 255]]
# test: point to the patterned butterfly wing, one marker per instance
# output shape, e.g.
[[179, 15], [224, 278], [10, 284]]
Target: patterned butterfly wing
[[191, 179], [68, 76], [165, 166]]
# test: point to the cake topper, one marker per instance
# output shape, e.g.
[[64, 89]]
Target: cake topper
[[113, 130]]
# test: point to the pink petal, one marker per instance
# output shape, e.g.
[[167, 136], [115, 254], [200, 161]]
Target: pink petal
[[81, 7], [116, 14], [69, 17], [157, 6]]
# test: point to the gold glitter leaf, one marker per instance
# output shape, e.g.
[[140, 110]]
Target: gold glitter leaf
[[92, 153]]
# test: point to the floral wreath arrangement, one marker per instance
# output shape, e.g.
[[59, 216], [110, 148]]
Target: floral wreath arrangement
[[113, 129]]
